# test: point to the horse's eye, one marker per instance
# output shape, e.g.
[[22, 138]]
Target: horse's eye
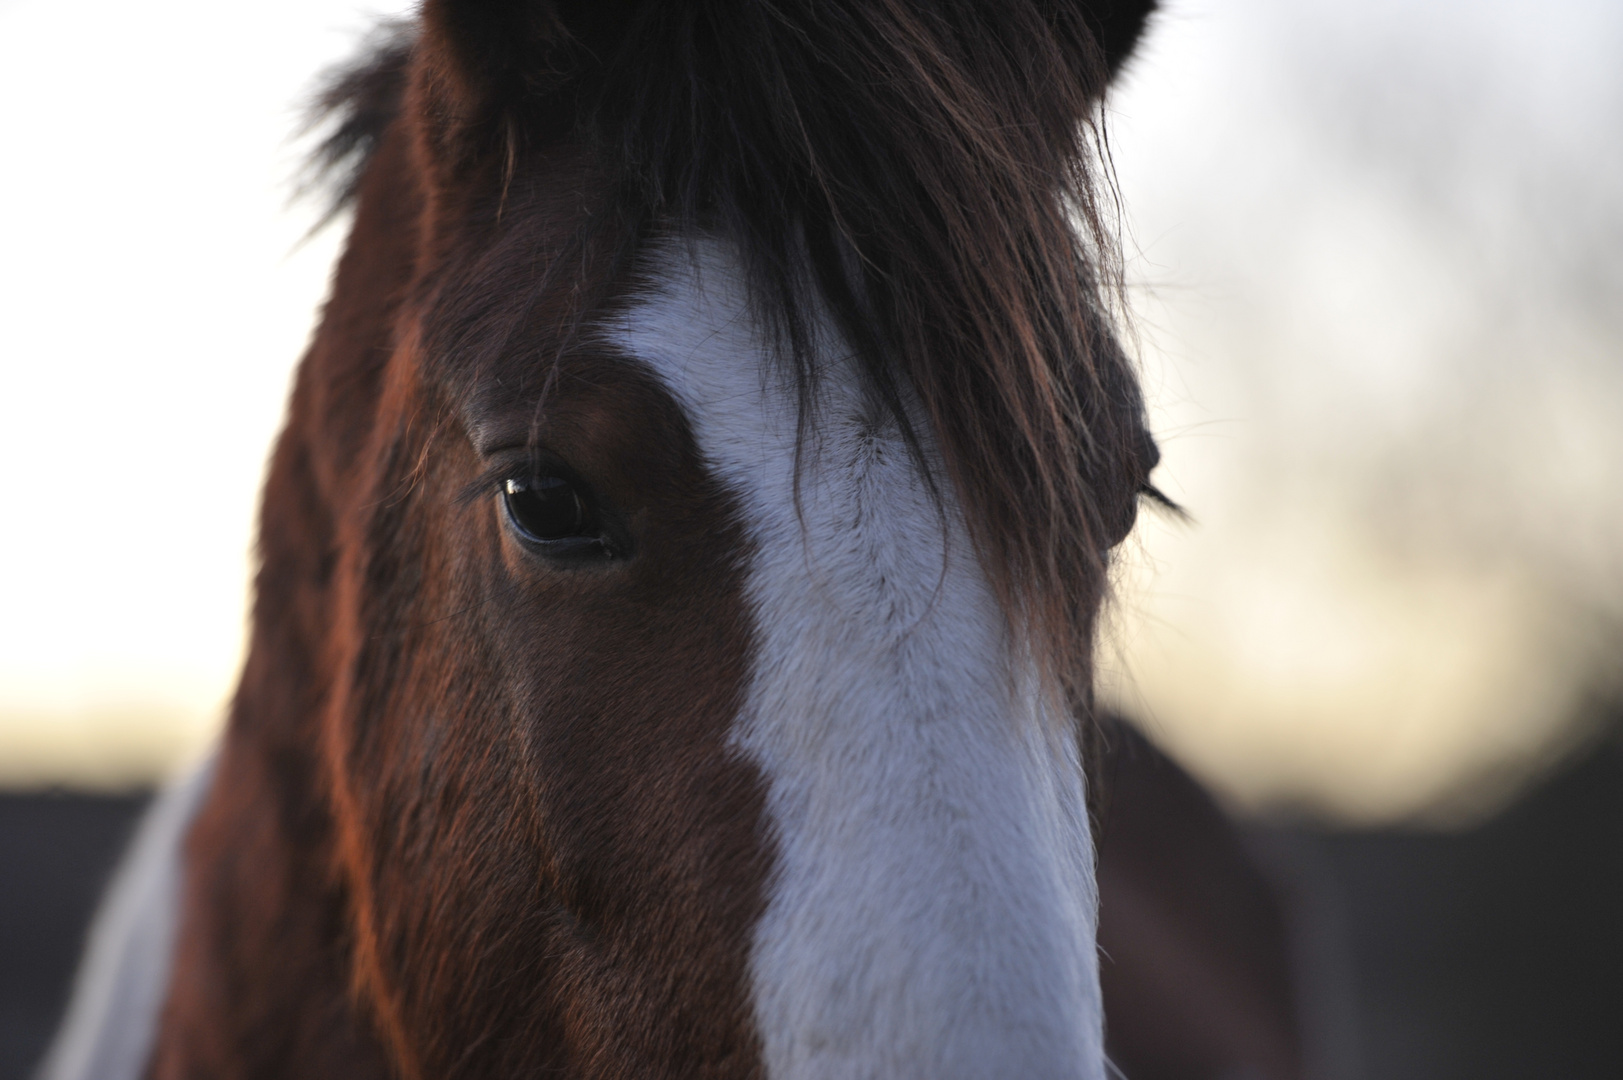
[[545, 508]]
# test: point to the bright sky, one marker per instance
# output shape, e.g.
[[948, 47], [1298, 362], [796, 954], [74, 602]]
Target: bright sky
[[1370, 241], [153, 300], [1381, 250]]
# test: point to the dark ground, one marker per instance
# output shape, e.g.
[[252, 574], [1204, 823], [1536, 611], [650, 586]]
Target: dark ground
[[1495, 954], [56, 852]]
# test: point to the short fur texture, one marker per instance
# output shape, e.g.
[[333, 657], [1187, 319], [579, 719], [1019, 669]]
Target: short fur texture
[[931, 910]]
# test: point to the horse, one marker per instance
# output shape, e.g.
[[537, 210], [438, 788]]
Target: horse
[[672, 644]]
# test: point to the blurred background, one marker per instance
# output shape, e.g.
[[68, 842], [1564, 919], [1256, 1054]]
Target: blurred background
[[1375, 255]]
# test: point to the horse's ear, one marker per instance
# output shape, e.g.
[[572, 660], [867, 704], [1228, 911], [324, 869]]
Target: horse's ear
[[486, 69], [1117, 25]]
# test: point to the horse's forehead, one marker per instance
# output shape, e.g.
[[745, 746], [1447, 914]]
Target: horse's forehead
[[931, 910]]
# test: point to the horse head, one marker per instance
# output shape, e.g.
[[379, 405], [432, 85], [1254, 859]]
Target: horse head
[[672, 646]]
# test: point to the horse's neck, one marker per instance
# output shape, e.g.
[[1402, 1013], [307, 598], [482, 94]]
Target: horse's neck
[[261, 981]]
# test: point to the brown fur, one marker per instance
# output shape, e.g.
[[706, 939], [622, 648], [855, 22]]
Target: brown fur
[[517, 841], [475, 815]]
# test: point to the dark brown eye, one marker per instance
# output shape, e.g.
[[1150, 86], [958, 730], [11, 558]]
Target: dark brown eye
[[546, 509]]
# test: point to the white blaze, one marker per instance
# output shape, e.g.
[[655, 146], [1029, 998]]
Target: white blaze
[[933, 909]]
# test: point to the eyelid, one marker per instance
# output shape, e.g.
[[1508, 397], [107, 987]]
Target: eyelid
[[514, 485], [518, 463], [493, 480]]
